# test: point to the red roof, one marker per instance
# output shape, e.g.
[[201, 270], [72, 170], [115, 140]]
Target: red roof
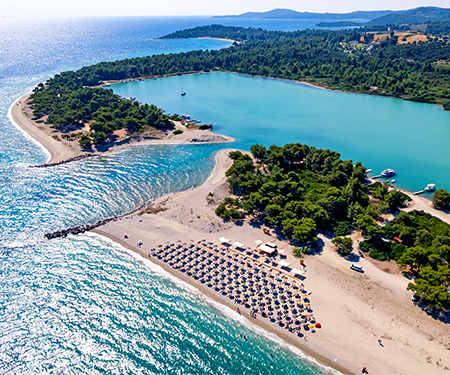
[[398, 239]]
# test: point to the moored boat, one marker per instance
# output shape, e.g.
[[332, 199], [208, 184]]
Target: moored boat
[[430, 187], [388, 173]]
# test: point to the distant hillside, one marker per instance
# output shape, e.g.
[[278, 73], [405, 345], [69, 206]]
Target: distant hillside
[[412, 16], [288, 13]]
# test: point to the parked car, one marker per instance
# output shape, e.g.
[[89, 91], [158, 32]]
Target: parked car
[[357, 267]]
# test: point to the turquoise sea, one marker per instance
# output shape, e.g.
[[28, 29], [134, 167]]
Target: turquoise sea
[[411, 138], [82, 305]]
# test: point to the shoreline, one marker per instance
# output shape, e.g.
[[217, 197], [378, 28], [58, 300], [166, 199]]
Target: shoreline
[[60, 151], [12, 119], [354, 309], [219, 303], [312, 353]]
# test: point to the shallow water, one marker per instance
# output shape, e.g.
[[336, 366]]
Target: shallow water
[[380, 132], [81, 304]]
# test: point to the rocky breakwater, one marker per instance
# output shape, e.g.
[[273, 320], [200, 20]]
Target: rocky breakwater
[[77, 230]]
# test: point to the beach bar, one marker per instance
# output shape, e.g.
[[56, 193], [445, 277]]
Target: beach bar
[[269, 250]]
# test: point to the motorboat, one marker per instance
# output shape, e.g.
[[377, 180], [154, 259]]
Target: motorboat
[[388, 173], [430, 187]]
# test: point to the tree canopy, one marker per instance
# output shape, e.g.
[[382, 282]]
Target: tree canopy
[[301, 190]]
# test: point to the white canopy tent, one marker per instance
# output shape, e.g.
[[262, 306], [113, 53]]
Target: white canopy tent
[[282, 263], [239, 245], [258, 242], [296, 271], [267, 249], [224, 240]]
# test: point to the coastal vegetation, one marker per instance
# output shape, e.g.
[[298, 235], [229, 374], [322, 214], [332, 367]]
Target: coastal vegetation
[[69, 105], [300, 191], [416, 71], [441, 199]]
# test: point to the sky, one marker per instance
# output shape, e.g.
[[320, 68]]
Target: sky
[[90, 8]]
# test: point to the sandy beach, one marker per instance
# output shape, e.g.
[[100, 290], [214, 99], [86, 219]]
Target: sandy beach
[[355, 310], [61, 150]]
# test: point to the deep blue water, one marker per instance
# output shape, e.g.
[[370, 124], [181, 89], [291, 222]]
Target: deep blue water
[[82, 304]]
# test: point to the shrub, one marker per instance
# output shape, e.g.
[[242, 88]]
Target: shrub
[[99, 137], [365, 246], [441, 199], [344, 245], [178, 131], [85, 141]]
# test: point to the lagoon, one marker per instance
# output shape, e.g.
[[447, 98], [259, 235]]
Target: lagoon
[[411, 138]]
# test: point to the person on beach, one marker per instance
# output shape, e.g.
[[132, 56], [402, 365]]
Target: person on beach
[[364, 370]]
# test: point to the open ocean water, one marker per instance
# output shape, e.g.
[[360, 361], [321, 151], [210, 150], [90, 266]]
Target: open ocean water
[[83, 305]]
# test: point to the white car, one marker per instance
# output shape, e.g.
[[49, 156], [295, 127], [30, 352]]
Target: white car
[[357, 267]]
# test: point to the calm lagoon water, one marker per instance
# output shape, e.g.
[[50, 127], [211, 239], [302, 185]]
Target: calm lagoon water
[[82, 305], [411, 138]]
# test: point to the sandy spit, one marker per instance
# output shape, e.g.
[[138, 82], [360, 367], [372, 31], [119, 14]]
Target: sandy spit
[[355, 310]]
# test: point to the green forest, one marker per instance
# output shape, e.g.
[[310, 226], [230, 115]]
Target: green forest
[[298, 189], [301, 191], [416, 72], [69, 105]]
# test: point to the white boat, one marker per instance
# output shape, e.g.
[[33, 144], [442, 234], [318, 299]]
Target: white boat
[[393, 181], [430, 187], [388, 173], [183, 93]]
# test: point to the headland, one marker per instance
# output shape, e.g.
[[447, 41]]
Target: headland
[[62, 149]]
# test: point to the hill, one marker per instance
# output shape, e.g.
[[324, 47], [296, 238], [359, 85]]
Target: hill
[[289, 13], [412, 16]]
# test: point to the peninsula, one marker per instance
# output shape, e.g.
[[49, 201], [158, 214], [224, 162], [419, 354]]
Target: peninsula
[[76, 117], [63, 144], [354, 310], [330, 312]]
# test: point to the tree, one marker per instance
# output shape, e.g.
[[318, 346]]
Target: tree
[[441, 199], [99, 137], [415, 257], [395, 199], [132, 125], [85, 142], [344, 245], [306, 232], [258, 152]]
